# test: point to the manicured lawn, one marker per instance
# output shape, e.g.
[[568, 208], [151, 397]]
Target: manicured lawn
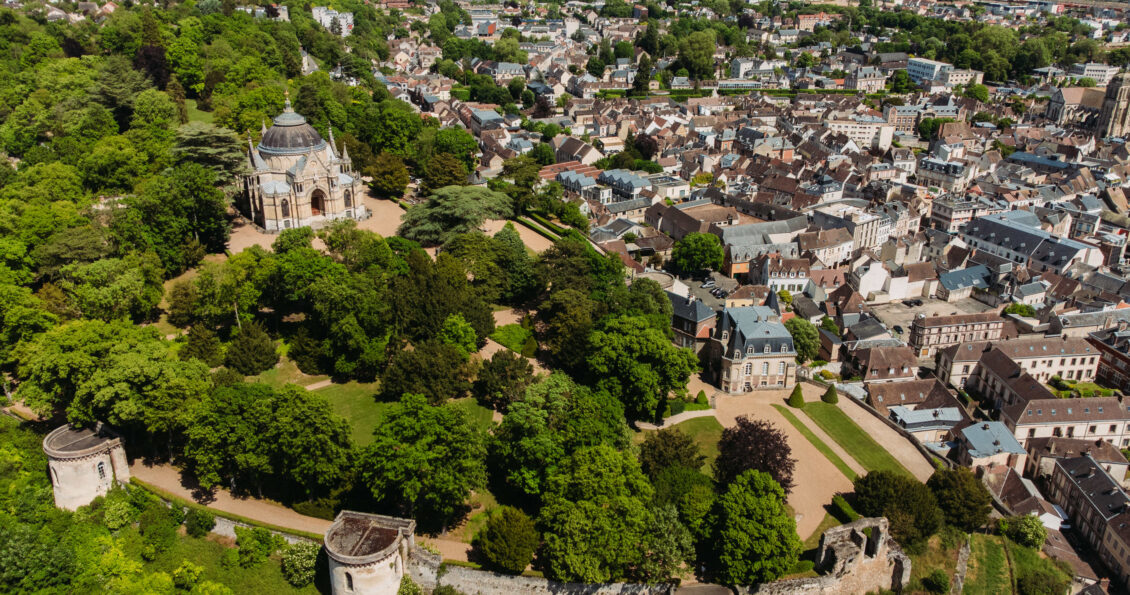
[[285, 373], [988, 567], [817, 442], [706, 431], [478, 416], [482, 503], [195, 115], [852, 438], [355, 402], [515, 338], [813, 540]]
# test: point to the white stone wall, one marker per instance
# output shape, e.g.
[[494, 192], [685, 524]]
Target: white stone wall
[[377, 578], [76, 482]]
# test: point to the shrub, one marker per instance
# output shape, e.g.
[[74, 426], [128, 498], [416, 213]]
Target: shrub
[[830, 396], [1025, 530], [796, 399], [843, 511], [700, 398], [407, 587], [299, 562], [158, 530], [187, 575], [508, 540], [678, 406], [117, 513], [937, 581], [256, 545], [1041, 582], [199, 522]]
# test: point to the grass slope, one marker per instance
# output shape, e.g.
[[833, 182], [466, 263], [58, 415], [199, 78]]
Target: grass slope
[[988, 568], [852, 438], [817, 442]]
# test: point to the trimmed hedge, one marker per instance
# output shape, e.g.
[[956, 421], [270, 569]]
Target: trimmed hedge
[[843, 511]]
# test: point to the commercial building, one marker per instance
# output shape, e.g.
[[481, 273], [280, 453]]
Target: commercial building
[[869, 132], [1100, 73]]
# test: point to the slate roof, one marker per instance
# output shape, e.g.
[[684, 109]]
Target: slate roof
[[755, 327], [689, 309], [990, 438], [975, 276]]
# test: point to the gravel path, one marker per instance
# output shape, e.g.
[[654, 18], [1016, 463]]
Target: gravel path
[[168, 478], [900, 447], [817, 479], [675, 419]]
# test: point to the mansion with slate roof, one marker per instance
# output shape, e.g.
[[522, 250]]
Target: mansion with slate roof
[[297, 179], [751, 349]]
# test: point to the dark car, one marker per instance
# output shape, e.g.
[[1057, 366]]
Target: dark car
[[898, 329]]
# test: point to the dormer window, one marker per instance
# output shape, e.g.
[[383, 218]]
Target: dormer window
[[767, 348], [784, 348]]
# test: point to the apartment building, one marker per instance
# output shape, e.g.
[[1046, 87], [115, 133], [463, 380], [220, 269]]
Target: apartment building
[[1017, 236], [1043, 358], [921, 69], [1114, 364], [869, 132], [928, 334], [778, 273], [751, 349], [951, 176], [950, 212], [1099, 510], [1101, 73], [867, 230], [830, 247], [1095, 418]]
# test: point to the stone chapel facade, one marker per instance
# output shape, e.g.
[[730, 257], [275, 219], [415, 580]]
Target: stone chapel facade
[[297, 179]]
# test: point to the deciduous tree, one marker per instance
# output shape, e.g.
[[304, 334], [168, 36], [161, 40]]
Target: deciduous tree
[[508, 540], [754, 445], [424, 461], [697, 252], [755, 537]]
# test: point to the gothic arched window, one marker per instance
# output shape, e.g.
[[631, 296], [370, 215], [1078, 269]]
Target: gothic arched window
[[348, 199], [285, 208]]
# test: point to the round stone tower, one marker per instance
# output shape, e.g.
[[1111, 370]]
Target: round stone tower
[[368, 553], [84, 463]]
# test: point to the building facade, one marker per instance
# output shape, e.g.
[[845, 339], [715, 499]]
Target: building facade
[[297, 179], [928, 334], [1114, 119], [751, 349]]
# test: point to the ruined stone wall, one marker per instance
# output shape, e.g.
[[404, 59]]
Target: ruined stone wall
[[858, 557], [428, 571]]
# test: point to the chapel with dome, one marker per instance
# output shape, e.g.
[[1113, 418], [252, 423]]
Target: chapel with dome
[[298, 179]]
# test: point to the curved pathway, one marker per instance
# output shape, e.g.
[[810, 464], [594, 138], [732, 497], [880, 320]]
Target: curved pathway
[[169, 479]]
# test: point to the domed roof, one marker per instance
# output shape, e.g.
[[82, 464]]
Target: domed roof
[[290, 135]]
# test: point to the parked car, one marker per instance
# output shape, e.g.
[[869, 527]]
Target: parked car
[[709, 284], [912, 303], [898, 329]]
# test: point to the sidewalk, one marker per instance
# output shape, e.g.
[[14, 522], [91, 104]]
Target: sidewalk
[[674, 419]]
